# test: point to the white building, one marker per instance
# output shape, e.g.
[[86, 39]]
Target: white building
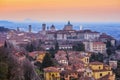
[[97, 47]]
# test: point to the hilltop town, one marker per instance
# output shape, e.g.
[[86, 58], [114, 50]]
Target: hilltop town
[[65, 54]]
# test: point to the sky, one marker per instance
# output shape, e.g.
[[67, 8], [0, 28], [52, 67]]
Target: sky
[[60, 10]]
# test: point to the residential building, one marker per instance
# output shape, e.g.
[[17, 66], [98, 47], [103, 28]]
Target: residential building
[[51, 73], [100, 71], [96, 47], [69, 74], [104, 38]]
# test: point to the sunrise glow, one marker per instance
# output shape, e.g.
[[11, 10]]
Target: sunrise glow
[[61, 10]]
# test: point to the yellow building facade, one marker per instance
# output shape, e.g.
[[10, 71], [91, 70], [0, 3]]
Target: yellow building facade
[[85, 60], [51, 73], [100, 70], [40, 57]]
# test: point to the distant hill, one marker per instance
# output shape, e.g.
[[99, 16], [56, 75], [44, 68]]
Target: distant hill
[[5, 21], [2, 29]]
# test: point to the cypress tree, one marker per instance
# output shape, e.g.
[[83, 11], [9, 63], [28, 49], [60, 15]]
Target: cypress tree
[[47, 61]]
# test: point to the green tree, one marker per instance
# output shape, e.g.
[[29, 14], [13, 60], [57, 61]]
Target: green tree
[[56, 46], [47, 61], [3, 64], [30, 47], [52, 52], [108, 44], [3, 71], [5, 44], [117, 71], [79, 47], [109, 52], [96, 57], [118, 47]]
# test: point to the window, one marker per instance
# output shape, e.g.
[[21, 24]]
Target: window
[[87, 60], [99, 67], [88, 74], [100, 74]]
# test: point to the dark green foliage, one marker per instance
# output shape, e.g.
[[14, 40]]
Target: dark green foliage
[[12, 69], [108, 44], [110, 49], [79, 47], [47, 61], [3, 70], [96, 57], [56, 46], [118, 47], [117, 71], [30, 47], [3, 64], [5, 44], [39, 65], [52, 52]]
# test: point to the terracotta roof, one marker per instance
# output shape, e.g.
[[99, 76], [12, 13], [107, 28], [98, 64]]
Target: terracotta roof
[[61, 52], [67, 72], [96, 63], [1, 44], [33, 54], [51, 69], [100, 43]]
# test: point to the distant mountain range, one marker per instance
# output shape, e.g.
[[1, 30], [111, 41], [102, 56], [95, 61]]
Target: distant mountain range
[[6, 22]]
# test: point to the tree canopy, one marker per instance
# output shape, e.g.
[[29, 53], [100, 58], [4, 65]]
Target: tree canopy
[[47, 61], [79, 47]]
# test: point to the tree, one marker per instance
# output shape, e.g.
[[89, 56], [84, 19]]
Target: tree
[[118, 47], [108, 44], [56, 46], [109, 52], [118, 70], [47, 61], [52, 52], [5, 44], [30, 47], [96, 57], [79, 47]]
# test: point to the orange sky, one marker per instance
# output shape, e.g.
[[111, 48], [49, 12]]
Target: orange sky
[[61, 10]]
